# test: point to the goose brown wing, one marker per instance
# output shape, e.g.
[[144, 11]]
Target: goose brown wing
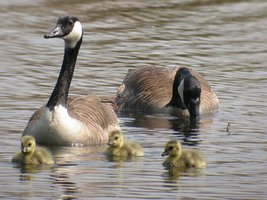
[[92, 110], [145, 88]]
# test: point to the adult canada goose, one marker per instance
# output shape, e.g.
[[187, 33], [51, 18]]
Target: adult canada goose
[[120, 147], [32, 154], [158, 89], [71, 121], [179, 158]]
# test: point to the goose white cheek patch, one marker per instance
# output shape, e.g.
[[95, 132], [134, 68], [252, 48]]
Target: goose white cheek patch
[[74, 36], [195, 100], [181, 90]]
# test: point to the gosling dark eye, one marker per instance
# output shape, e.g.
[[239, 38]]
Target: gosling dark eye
[[116, 138], [30, 144], [170, 148]]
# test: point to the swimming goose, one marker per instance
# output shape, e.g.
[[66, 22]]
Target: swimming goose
[[32, 154], [159, 89], [120, 147], [179, 158], [66, 120]]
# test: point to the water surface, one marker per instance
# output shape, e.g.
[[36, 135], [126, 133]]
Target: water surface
[[225, 40]]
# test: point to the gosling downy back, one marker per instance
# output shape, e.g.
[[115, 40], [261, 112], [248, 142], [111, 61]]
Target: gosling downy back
[[67, 120], [180, 158], [118, 146]]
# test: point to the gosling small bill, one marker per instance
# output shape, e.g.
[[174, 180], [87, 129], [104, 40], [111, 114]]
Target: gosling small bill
[[31, 153], [180, 158]]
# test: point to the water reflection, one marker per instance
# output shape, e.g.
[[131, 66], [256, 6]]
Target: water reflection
[[69, 188], [119, 160], [32, 169], [175, 173], [27, 173], [62, 155], [186, 129], [225, 40]]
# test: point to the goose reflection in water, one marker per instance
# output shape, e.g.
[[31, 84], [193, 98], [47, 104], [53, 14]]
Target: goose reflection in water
[[186, 129]]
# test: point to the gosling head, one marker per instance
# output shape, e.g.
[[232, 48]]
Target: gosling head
[[173, 148], [27, 144], [115, 139], [189, 91], [69, 29]]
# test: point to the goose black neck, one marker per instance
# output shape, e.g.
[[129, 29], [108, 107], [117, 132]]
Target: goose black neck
[[61, 90]]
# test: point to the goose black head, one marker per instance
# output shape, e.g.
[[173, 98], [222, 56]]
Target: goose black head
[[69, 29], [189, 89]]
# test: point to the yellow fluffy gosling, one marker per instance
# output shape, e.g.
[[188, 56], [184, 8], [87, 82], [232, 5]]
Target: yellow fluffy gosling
[[179, 158], [32, 154], [120, 147]]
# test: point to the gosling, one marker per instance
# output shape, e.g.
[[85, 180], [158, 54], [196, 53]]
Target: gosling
[[31, 154], [179, 158], [120, 147]]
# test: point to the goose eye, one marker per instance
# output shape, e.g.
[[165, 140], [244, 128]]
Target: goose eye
[[116, 138], [30, 144], [70, 22]]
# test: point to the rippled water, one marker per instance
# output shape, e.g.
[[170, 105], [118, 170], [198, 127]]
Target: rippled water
[[225, 40]]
